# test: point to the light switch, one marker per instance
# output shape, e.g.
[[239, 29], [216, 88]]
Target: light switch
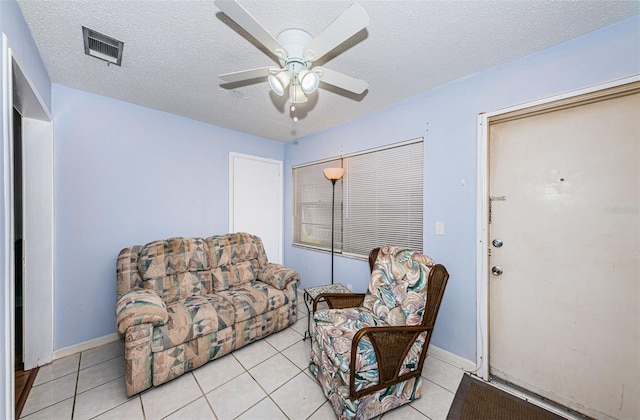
[[439, 228]]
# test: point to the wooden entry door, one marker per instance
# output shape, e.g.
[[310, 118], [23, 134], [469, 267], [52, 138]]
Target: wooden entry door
[[564, 294]]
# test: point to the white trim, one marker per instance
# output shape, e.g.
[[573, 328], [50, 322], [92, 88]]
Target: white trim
[[280, 164], [38, 219], [566, 95], [362, 152], [86, 345], [450, 358], [7, 221], [45, 116], [482, 231], [482, 251]]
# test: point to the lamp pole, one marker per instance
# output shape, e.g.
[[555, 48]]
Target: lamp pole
[[333, 220], [333, 174]]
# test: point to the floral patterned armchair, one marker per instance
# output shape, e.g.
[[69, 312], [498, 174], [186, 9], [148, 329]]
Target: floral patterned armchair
[[368, 349]]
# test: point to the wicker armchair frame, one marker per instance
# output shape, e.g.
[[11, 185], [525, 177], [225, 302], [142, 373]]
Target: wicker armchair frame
[[391, 343]]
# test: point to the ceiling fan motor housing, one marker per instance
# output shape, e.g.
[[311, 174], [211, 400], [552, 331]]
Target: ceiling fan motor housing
[[294, 41]]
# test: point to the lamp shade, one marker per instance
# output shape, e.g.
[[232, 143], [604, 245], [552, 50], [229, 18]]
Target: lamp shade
[[296, 95], [333, 173], [279, 82], [309, 81]]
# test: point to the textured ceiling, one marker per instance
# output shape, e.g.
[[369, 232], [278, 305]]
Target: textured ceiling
[[175, 50]]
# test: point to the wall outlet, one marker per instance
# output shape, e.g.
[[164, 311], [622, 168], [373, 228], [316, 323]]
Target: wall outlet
[[349, 286], [439, 228]]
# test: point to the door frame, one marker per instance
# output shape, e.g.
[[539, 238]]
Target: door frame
[[482, 212], [232, 157], [39, 127]]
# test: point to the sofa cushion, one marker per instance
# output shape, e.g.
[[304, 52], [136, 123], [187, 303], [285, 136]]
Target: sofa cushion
[[164, 265], [253, 299], [235, 259], [233, 248], [180, 286], [191, 318], [233, 275]]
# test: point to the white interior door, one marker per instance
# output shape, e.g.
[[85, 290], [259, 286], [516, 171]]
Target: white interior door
[[38, 242], [255, 200], [38, 230], [564, 315]]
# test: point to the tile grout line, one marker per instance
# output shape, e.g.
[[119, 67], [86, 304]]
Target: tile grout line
[[144, 414], [204, 394], [268, 394], [77, 370], [189, 402], [75, 389]]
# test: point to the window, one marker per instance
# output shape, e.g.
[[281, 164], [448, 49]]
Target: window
[[312, 206], [378, 201]]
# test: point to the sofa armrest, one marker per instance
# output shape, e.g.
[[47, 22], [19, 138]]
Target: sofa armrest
[[277, 275], [140, 306]]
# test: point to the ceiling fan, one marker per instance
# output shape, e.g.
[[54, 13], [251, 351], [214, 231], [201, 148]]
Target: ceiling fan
[[296, 51]]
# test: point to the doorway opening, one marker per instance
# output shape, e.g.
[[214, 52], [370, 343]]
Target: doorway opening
[[28, 243], [19, 238]]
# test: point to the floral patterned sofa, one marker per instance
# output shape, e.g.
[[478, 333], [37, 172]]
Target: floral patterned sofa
[[185, 301]]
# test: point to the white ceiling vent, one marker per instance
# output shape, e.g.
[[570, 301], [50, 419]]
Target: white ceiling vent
[[102, 47]]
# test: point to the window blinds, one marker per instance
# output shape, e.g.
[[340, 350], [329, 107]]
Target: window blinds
[[383, 199], [379, 201]]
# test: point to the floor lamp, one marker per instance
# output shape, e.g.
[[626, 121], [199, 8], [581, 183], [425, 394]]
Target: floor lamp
[[333, 174]]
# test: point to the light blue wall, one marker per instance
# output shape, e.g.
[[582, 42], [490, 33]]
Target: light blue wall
[[447, 119], [127, 175], [12, 24], [24, 49]]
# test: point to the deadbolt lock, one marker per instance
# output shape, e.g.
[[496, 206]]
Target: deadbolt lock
[[497, 243]]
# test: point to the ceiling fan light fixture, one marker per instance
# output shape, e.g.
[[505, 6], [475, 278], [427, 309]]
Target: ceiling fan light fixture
[[296, 95], [309, 81], [279, 82]]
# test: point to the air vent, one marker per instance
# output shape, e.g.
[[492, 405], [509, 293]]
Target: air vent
[[102, 47]]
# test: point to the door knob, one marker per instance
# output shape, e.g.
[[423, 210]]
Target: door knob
[[496, 270], [497, 243]]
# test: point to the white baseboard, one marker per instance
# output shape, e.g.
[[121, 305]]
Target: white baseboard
[[452, 359], [86, 345]]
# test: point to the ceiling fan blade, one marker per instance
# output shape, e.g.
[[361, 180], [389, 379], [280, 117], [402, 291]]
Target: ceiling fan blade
[[349, 23], [239, 76], [239, 15], [341, 80]]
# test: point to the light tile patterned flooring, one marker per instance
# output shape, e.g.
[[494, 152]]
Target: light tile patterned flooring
[[268, 379]]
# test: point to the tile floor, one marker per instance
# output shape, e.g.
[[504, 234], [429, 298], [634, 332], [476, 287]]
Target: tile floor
[[271, 375]]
